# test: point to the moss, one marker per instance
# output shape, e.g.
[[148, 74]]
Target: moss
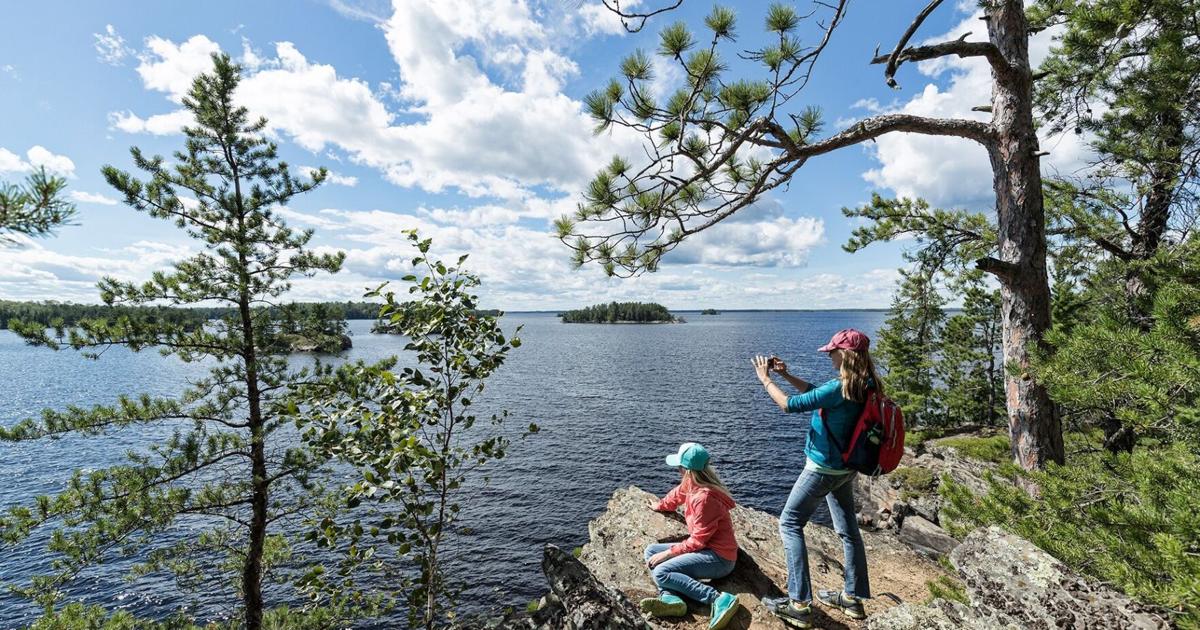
[[993, 449], [576, 552], [914, 438], [914, 479], [948, 588], [532, 606]]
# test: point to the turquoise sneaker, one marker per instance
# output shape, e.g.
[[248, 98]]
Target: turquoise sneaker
[[665, 605], [723, 609]]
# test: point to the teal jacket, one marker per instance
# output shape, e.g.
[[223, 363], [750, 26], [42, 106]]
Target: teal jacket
[[840, 417]]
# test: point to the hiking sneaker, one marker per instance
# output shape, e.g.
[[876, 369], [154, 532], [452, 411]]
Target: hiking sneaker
[[723, 609], [665, 605], [792, 613], [850, 605]]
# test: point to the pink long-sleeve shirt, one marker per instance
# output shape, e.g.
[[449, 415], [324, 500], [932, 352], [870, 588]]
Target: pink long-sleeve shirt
[[708, 522]]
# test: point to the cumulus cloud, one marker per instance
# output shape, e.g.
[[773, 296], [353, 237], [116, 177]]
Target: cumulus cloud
[[110, 46], [464, 131], [331, 177], [169, 67], [597, 19], [36, 157], [781, 242], [80, 196], [952, 171], [33, 271]]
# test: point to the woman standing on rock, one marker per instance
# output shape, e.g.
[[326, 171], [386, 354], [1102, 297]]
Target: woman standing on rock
[[710, 550], [835, 406]]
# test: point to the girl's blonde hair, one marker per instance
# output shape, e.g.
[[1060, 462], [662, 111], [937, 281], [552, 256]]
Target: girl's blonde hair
[[708, 478], [858, 374]]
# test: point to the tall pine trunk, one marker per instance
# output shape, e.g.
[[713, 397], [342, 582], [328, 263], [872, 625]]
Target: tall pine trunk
[[1033, 421], [252, 568]]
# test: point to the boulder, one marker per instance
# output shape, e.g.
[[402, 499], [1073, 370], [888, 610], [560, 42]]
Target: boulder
[[925, 537], [628, 525], [586, 603], [1010, 575]]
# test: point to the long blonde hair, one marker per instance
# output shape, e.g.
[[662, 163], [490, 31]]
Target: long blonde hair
[[708, 478], [858, 374]]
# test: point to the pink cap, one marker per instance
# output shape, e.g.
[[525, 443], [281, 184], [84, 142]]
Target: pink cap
[[848, 339]]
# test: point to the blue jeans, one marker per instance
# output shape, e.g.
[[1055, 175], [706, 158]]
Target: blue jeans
[[679, 574], [838, 492]]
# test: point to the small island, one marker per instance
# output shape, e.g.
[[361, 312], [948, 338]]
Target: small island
[[621, 313], [710, 311]]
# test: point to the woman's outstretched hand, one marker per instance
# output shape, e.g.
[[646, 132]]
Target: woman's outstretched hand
[[777, 365], [761, 368]]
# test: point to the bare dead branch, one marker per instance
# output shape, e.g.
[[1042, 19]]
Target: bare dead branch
[[958, 47], [894, 58], [887, 123]]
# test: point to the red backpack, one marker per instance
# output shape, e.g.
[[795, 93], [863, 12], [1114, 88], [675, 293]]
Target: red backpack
[[877, 443]]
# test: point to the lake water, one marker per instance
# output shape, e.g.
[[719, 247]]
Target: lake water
[[612, 401]]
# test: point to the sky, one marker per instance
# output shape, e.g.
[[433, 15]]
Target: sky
[[464, 119]]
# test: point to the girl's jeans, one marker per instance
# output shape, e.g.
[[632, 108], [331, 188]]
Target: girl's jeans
[[679, 574], [838, 492]]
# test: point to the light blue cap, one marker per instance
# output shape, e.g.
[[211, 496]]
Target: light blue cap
[[691, 456]]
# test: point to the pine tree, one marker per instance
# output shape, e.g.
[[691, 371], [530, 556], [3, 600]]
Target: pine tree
[[908, 344], [969, 370], [230, 469], [34, 208]]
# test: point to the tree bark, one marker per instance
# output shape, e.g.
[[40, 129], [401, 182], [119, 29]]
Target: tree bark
[[252, 569], [1034, 425]]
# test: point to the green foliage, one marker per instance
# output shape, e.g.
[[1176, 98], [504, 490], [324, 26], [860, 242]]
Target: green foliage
[[1126, 519], [33, 208], [906, 346], [969, 369], [948, 588], [226, 476], [942, 370], [914, 481], [946, 237], [1148, 381], [411, 434], [618, 312], [708, 129], [995, 449]]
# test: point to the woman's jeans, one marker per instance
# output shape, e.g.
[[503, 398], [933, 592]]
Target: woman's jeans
[[679, 575], [838, 492]]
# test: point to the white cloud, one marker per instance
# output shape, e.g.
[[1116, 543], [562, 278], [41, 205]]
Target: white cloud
[[80, 196], [11, 71], [158, 124], [598, 19], [110, 46], [33, 271], [463, 132], [952, 171], [774, 242], [331, 177], [36, 157], [169, 67], [11, 162]]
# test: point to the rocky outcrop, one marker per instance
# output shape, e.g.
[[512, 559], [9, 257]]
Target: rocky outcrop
[[622, 532], [925, 537], [911, 493], [1009, 583], [1012, 584]]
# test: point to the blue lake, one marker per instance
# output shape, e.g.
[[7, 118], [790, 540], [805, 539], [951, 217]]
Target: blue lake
[[611, 400]]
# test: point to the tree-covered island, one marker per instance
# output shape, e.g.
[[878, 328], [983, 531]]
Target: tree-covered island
[[621, 313]]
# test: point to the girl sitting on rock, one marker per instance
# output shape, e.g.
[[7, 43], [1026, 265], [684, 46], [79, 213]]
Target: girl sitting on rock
[[710, 550]]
